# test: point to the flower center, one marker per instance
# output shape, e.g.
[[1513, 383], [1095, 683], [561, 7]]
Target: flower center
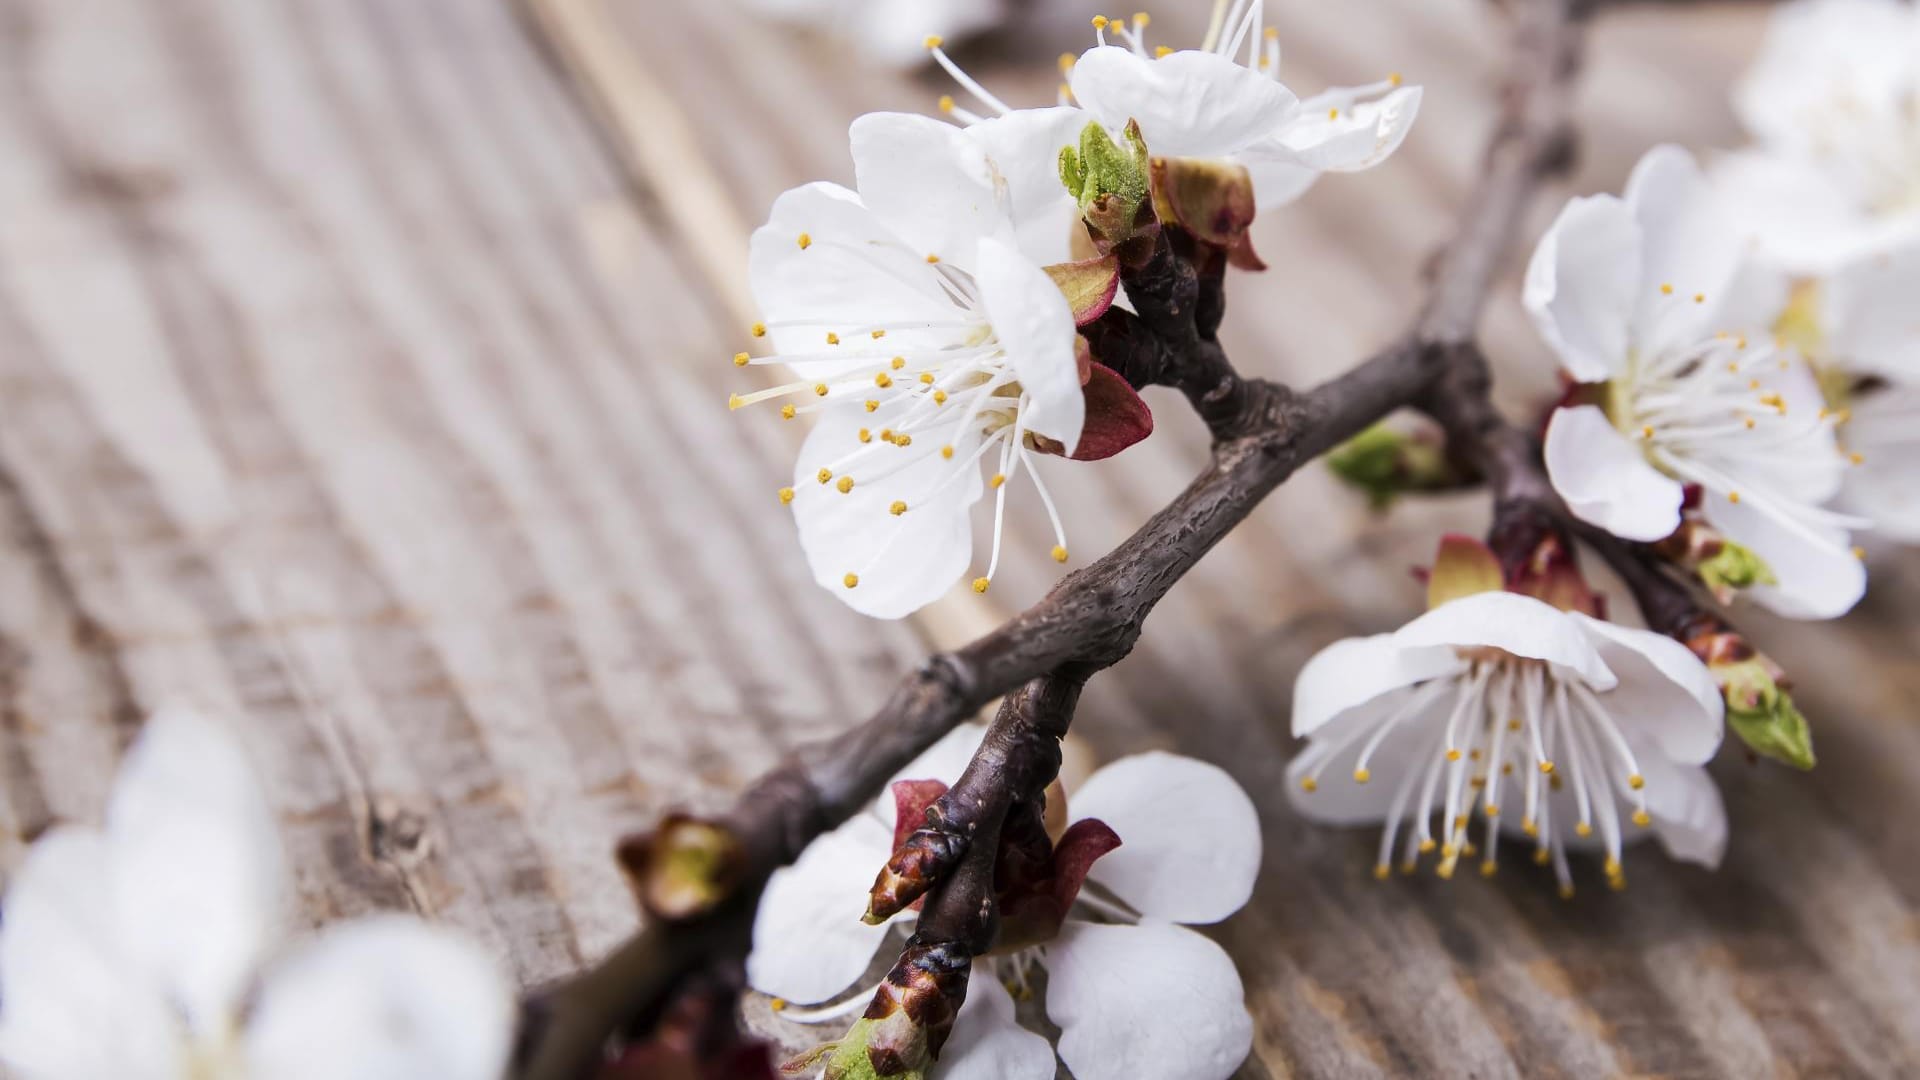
[[1506, 724]]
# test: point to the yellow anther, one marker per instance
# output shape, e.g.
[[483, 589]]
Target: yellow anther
[[903, 439], [1513, 725], [1309, 785], [1453, 754], [833, 338], [1547, 767], [883, 380], [1492, 810], [886, 434], [1444, 871], [806, 241], [1506, 768], [946, 103], [1140, 19], [786, 496], [1067, 60], [1636, 781], [1459, 821], [933, 41], [1699, 298], [939, 397], [1333, 114], [823, 475], [1646, 431], [1530, 826], [1489, 868], [1473, 755], [1448, 851], [1099, 22], [850, 580], [820, 389], [1582, 830], [1382, 872], [1857, 457], [1427, 845], [1542, 856], [734, 402], [777, 1004], [877, 334], [931, 259], [1666, 290], [899, 507], [1271, 33], [998, 479], [946, 452], [926, 378], [865, 436], [1393, 79], [1566, 891], [1642, 818], [980, 584], [1617, 884], [845, 485], [1860, 553], [1753, 384], [1162, 50], [1740, 342], [1059, 553], [788, 412], [1733, 496], [872, 404], [1478, 782], [1361, 776], [897, 363], [759, 329], [1752, 423], [741, 359]]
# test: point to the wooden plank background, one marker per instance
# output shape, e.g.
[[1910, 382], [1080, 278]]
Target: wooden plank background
[[363, 379]]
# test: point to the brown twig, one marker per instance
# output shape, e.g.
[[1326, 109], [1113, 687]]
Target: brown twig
[[1263, 432]]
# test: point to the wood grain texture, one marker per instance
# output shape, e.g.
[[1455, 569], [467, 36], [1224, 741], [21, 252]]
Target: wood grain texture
[[362, 380]]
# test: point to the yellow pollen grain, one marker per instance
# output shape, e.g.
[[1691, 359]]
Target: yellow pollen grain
[[1857, 458], [1059, 553], [1161, 51], [1642, 818], [1636, 781], [850, 580], [865, 436], [823, 475], [933, 41], [1309, 785], [733, 401], [845, 485], [1646, 431], [886, 434], [1393, 79], [931, 259], [998, 479], [903, 439], [946, 103], [1444, 871], [883, 380], [1733, 496], [877, 334], [741, 359], [788, 412], [786, 496], [872, 405], [1699, 298], [897, 363], [1611, 867], [1666, 290], [806, 241], [1271, 33], [1529, 826], [820, 389], [939, 397], [1459, 821], [980, 584], [1547, 767], [1453, 754], [1099, 22], [1513, 725], [926, 378], [777, 1004], [759, 329], [1492, 810], [1582, 830], [1333, 114], [833, 338], [946, 452], [1361, 776], [1753, 384], [1860, 553], [899, 507], [1752, 423], [1141, 19], [1427, 845]]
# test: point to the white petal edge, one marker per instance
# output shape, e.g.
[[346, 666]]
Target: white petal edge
[[1025, 145], [1189, 836], [1150, 1000], [1188, 103], [385, 998], [929, 183], [1518, 624], [987, 1042], [809, 943], [1035, 326], [1666, 698], [1689, 242], [1688, 815], [197, 873], [1582, 283], [1354, 671], [1606, 480], [1819, 576]]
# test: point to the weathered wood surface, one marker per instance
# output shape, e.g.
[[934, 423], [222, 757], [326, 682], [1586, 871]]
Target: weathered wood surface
[[362, 379]]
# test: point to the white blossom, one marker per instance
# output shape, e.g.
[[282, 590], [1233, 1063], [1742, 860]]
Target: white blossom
[[1134, 992], [1561, 731], [1650, 302], [152, 949], [890, 32]]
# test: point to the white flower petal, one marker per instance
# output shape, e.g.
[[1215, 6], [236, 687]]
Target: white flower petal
[[895, 34], [988, 1043], [1873, 325], [1362, 134], [1189, 836], [929, 183], [901, 562], [1666, 697], [809, 943], [1819, 576], [1518, 624], [1338, 799], [1800, 218], [852, 273], [1582, 285], [1606, 480], [1687, 812], [196, 867], [1149, 1000], [1822, 54], [63, 984], [1035, 326], [1188, 103], [1881, 487], [1354, 671], [386, 998], [1025, 144], [1689, 242]]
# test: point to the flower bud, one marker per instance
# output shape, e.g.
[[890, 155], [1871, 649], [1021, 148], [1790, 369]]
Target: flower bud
[[1109, 182], [1385, 464], [683, 869], [910, 1016], [1723, 566], [1213, 200], [1759, 708]]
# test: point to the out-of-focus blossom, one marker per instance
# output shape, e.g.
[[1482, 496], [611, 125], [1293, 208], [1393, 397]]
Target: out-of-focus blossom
[[890, 31]]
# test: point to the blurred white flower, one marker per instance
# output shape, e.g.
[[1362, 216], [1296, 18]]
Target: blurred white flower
[[890, 31], [148, 950], [1493, 699], [1833, 101], [930, 341], [1651, 302], [1134, 992], [1204, 103]]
